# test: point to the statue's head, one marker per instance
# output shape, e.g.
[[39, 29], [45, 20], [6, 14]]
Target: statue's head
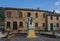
[[30, 18]]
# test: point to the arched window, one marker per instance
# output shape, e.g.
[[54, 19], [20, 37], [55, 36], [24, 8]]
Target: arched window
[[43, 24], [28, 14], [57, 24], [14, 25], [43, 15], [21, 24], [20, 14], [8, 24], [8, 14], [51, 26], [36, 24], [51, 18], [57, 18], [36, 14]]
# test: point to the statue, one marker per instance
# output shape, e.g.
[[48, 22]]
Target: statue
[[30, 23], [31, 32]]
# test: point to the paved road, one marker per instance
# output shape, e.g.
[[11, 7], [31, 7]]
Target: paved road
[[39, 38], [57, 33]]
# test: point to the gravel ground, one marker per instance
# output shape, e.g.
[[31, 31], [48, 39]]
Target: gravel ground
[[39, 38]]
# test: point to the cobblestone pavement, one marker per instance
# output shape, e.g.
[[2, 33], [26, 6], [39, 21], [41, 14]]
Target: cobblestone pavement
[[40, 38]]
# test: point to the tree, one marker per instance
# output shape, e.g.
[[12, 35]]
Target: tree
[[2, 16]]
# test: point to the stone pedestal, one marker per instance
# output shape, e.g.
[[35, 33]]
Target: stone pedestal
[[31, 34], [31, 31], [10, 35]]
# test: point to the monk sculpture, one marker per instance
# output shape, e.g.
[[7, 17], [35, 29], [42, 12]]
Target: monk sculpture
[[31, 32]]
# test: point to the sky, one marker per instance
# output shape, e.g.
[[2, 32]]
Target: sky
[[41, 4]]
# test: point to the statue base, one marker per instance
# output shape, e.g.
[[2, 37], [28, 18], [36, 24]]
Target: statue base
[[10, 35], [31, 34]]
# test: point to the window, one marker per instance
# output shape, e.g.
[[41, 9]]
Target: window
[[29, 14], [57, 18], [51, 18], [44, 15], [36, 14], [43, 24], [21, 24], [57, 24], [14, 25], [20, 14], [8, 14], [8, 24], [36, 24]]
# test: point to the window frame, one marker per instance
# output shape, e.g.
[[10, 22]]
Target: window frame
[[57, 24], [8, 24], [20, 24], [15, 25], [9, 14], [43, 24], [51, 17], [20, 14], [28, 14], [36, 15], [43, 15], [36, 24], [57, 18]]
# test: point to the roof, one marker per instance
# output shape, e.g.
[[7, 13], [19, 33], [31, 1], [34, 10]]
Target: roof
[[26, 9], [52, 14], [6, 8]]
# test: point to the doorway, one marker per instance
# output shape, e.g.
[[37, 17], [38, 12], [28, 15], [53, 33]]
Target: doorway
[[51, 27], [14, 25]]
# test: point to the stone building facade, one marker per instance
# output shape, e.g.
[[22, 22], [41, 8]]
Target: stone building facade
[[53, 21], [16, 19]]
